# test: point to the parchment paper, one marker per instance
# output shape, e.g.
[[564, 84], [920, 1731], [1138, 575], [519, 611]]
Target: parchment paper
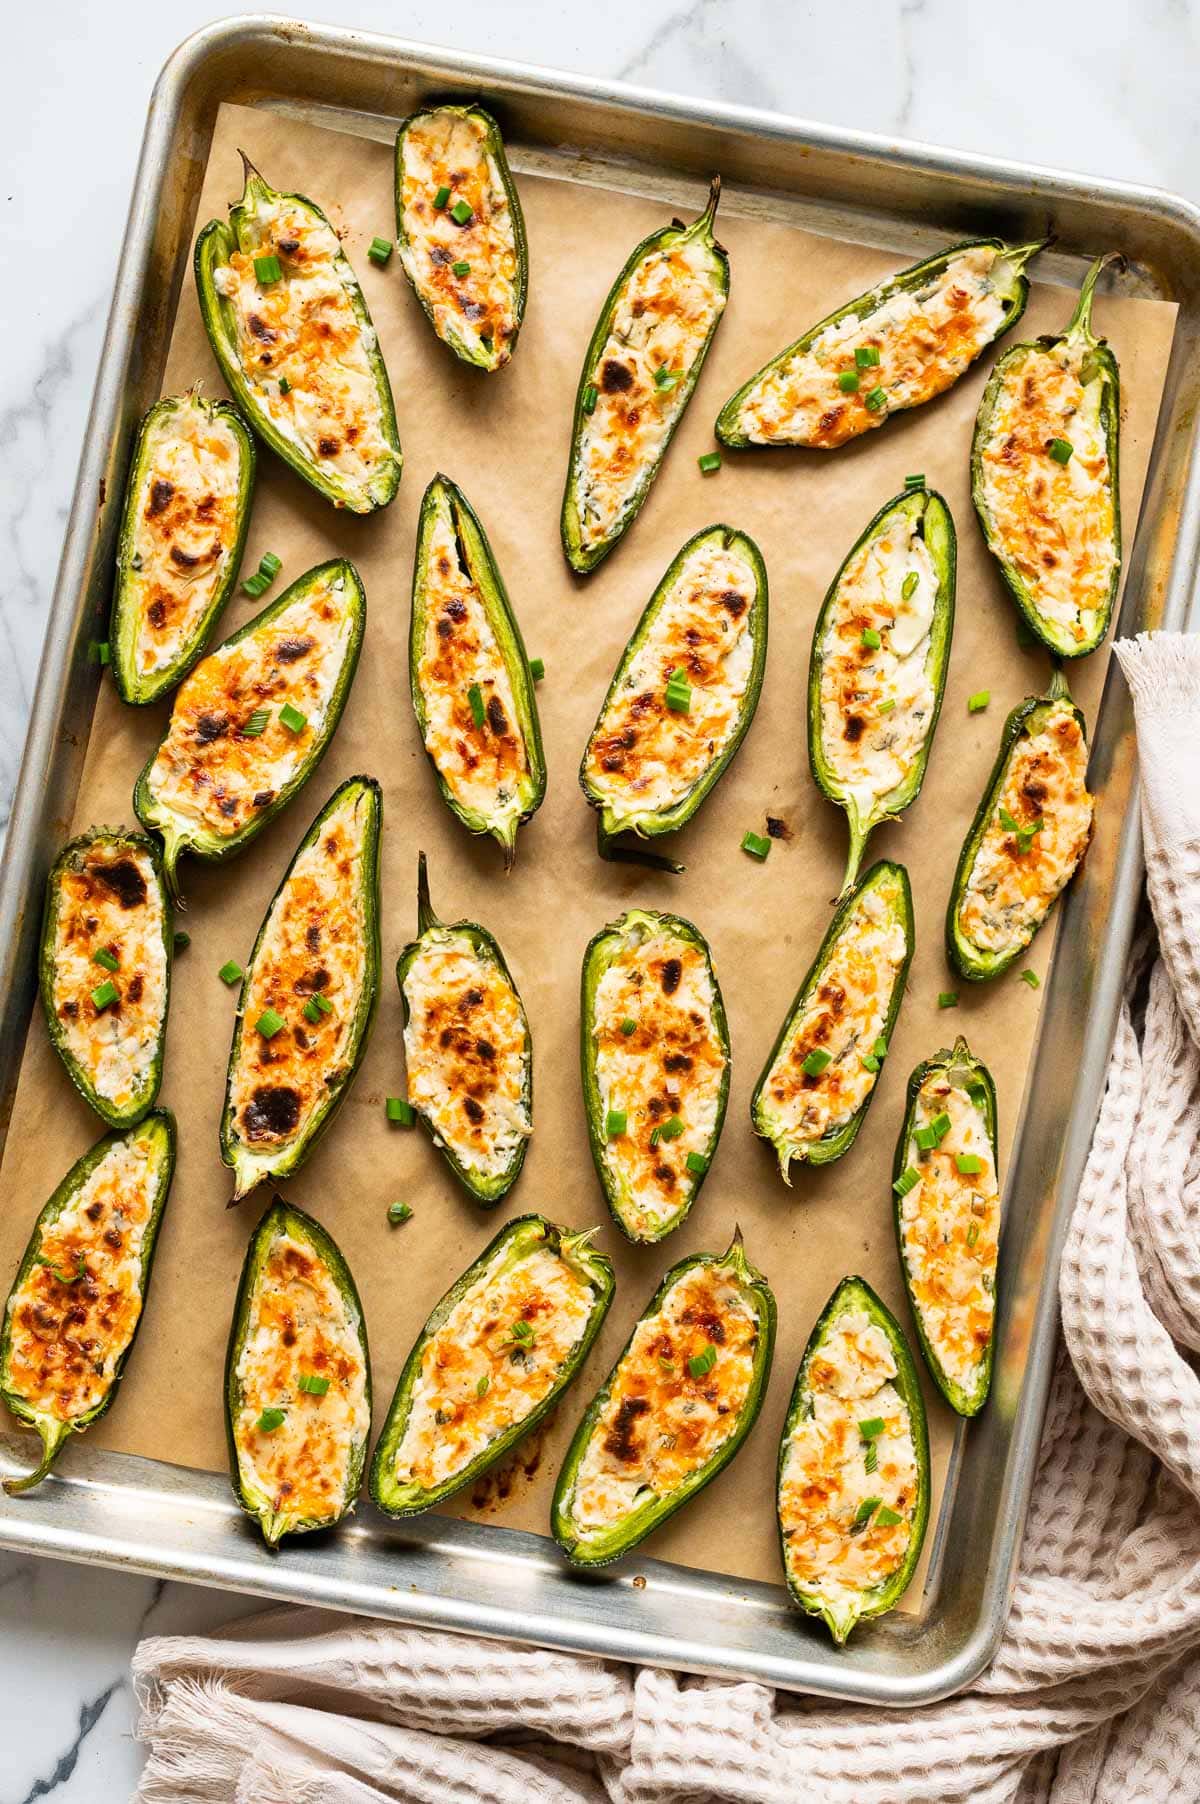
[[504, 439]]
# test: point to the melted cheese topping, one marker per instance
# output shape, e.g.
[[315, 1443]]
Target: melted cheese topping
[[304, 330], [184, 531], [925, 339], [205, 771], [466, 1049], [825, 1482], [662, 321], [1018, 875], [316, 944], [480, 1373], [1054, 524], [950, 1224], [71, 1319], [113, 902], [644, 757], [843, 1016], [660, 1424], [444, 149], [870, 753], [485, 768], [300, 1325], [671, 1065]]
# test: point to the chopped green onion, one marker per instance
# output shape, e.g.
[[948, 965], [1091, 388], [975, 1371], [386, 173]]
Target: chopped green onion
[[756, 844], [256, 725], [702, 1363], [880, 1048], [311, 1011], [398, 1213], [709, 462], [696, 1163], [978, 702], [668, 379], [848, 381], [521, 1331], [941, 1126], [441, 197], [679, 692], [269, 1024], [972, 1233], [100, 651], [481, 1389], [312, 1385], [866, 357], [1032, 979], [285, 387], [590, 397], [537, 669], [255, 585], [1061, 450], [400, 1111], [271, 1419], [105, 994], [908, 1180], [461, 268], [887, 1518], [182, 940], [1027, 835], [379, 250], [926, 1139], [460, 212], [268, 270], [871, 1459], [629, 1025], [876, 399], [672, 1128], [947, 998], [887, 707], [816, 1062], [865, 1511], [872, 1428], [269, 565], [915, 482], [57, 1271], [324, 1006], [1007, 821], [292, 719], [103, 957], [230, 972], [665, 1365], [871, 638], [868, 1061], [969, 1164], [655, 1136], [475, 698], [908, 587], [615, 1123]]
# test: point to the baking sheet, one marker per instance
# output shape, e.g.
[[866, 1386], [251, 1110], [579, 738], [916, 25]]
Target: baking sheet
[[504, 439]]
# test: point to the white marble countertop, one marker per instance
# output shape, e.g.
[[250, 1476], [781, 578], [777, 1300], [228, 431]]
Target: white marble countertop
[[1078, 84]]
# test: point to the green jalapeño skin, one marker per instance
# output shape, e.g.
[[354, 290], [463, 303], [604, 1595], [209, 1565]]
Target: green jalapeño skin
[[297, 1379], [674, 1410], [104, 970], [682, 698], [1028, 837], [820, 1075], [1044, 480], [642, 364], [467, 1049], [289, 327], [853, 1465], [183, 530], [892, 348], [251, 723], [460, 231], [491, 1362], [946, 1190], [655, 1061], [472, 687], [80, 1291], [880, 653], [309, 994]]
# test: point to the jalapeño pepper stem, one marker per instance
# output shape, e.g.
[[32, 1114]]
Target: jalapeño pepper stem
[[1021, 254], [426, 918], [53, 1435], [858, 845], [1058, 690], [1080, 324], [705, 223]]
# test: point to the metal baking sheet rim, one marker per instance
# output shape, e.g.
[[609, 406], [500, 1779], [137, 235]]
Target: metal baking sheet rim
[[123, 1512]]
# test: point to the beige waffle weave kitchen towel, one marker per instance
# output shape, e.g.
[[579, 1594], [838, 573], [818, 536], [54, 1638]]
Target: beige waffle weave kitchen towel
[[1095, 1695]]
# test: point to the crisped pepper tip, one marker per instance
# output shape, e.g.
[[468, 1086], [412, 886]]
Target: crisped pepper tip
[[426, 917]]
